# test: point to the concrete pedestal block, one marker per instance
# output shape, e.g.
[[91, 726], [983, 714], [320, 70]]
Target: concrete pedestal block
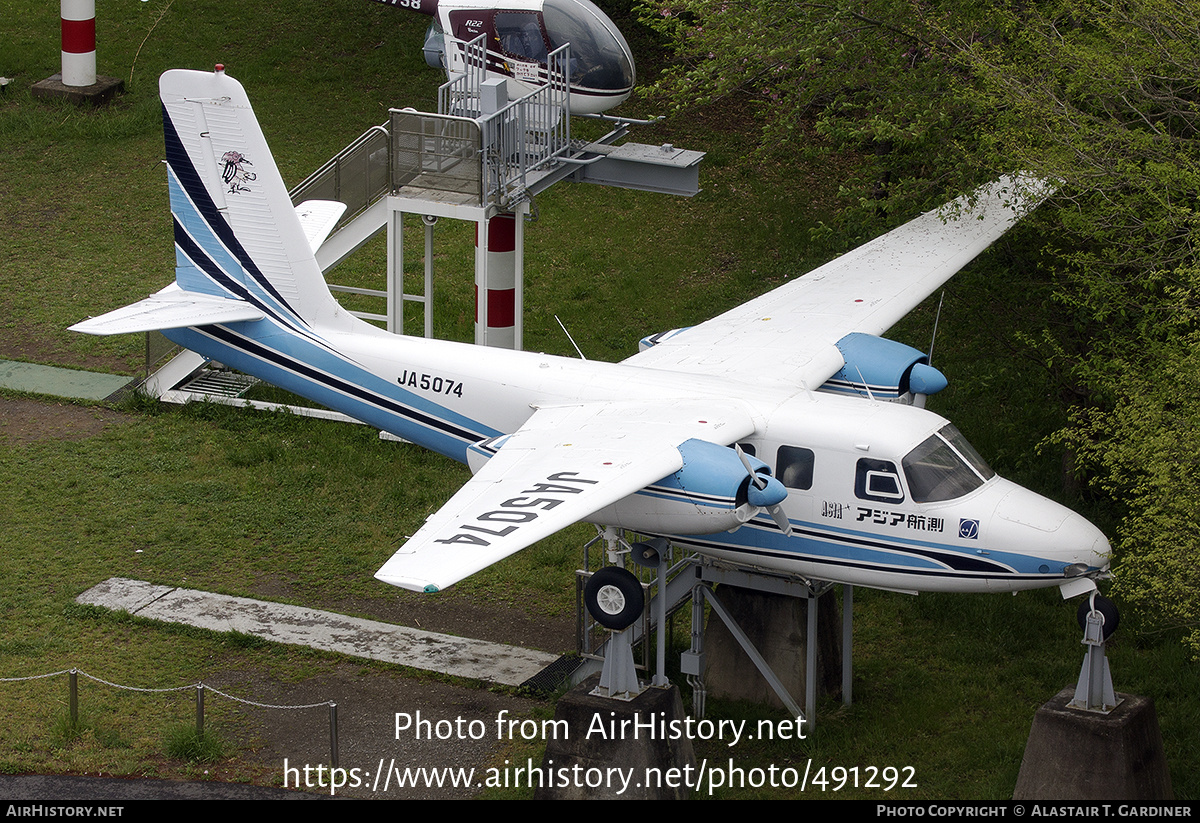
[[592, 754], [777, 625], [1079, 755], [103, 91]]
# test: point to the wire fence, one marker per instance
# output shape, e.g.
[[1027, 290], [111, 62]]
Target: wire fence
[[199, 688]]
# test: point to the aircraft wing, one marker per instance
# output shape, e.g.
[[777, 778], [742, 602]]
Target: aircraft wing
[[565, 463], [789, 334], [171, 308]]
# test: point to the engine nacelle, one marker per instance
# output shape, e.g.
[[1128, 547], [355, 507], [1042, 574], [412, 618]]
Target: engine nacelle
[[712, 493], [883, 369]]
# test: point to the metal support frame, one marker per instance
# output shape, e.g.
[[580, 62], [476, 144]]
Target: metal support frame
[[708, 574], [677, 583], [1094, 689], [710, 597]]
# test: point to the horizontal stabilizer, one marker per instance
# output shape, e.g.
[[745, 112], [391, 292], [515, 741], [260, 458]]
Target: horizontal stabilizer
[[171, 308], [317, 218]]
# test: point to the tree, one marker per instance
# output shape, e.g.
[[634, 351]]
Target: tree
[[873, 77], [1103, 97], [1099, 96]]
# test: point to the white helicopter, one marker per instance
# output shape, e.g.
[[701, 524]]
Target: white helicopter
[[762, 437], [520, 35]]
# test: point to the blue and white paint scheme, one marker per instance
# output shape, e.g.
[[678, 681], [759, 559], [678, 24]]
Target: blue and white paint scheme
[[840, 487]]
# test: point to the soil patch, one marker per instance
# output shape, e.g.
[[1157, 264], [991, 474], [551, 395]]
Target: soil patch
[[27, 421], [458, 742]]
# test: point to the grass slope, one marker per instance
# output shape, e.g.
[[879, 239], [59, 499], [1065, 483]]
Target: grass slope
[[244, 503]]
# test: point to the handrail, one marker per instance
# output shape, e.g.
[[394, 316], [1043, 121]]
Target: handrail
[[358, 175]]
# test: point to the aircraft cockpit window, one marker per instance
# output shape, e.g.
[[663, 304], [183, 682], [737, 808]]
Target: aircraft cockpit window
[[935, 471], [962, 446], [520, 36], [878, 480], [599, 54], [794, 467]]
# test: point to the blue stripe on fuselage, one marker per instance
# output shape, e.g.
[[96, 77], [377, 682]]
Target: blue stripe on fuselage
[[865, 550], [718, 543], [826, 543], [835, 554], [293, 363]]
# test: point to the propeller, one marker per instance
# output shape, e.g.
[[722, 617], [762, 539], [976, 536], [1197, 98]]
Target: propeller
[[767, 493]]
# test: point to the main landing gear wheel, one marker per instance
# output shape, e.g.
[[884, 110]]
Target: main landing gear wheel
[[1106, 607], [614, 597]]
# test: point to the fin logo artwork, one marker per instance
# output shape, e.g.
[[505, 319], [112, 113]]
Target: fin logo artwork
[[234, 173]]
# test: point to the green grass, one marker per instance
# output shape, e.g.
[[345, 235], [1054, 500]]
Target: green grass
[[240, 502], [186, 743]]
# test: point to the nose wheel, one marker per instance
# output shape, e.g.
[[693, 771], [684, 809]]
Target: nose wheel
[[1098, 618], [1111, 618]]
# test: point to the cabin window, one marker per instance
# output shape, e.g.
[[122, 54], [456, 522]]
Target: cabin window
[[936, 470], [520, 36], [794, 467], [598, 53], [878, 480]]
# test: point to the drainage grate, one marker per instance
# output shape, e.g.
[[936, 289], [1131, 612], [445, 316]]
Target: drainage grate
[[219, 383], [551, 679]]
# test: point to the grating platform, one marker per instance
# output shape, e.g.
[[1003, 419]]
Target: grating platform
[[219, 383]]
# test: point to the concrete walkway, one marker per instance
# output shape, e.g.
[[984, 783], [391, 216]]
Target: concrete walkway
[[79, 385], [459, 656]]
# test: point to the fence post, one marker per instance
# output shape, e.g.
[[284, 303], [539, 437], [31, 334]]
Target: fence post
[[333, 735], [73, 677], [199, 710]]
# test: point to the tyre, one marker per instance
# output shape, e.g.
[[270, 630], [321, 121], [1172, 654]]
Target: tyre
[[1106, 607], [614, 597]]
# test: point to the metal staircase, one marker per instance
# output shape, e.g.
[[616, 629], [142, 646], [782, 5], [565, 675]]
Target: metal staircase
[[478, 156]]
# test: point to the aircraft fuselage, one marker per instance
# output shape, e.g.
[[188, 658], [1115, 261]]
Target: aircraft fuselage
[[855, 513]]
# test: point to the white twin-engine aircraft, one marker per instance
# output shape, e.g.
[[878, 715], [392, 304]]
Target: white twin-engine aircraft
[[761, 437]]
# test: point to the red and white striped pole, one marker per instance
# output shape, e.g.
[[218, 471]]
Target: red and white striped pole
[[496, 283], [78, 42]]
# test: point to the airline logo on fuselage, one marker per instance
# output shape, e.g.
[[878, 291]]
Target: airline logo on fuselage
[[895, 519]]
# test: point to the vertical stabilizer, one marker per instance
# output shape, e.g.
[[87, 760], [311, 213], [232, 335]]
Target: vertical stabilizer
[[236, 231]]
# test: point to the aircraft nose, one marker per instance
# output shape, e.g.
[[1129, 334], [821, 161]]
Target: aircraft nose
[[1034, 526], [1082, 542], [601, 59]]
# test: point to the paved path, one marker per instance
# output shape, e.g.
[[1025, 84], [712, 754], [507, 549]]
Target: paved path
[[459, 656], [82, 385]]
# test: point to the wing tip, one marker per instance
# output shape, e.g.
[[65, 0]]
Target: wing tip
[[409, 583]]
